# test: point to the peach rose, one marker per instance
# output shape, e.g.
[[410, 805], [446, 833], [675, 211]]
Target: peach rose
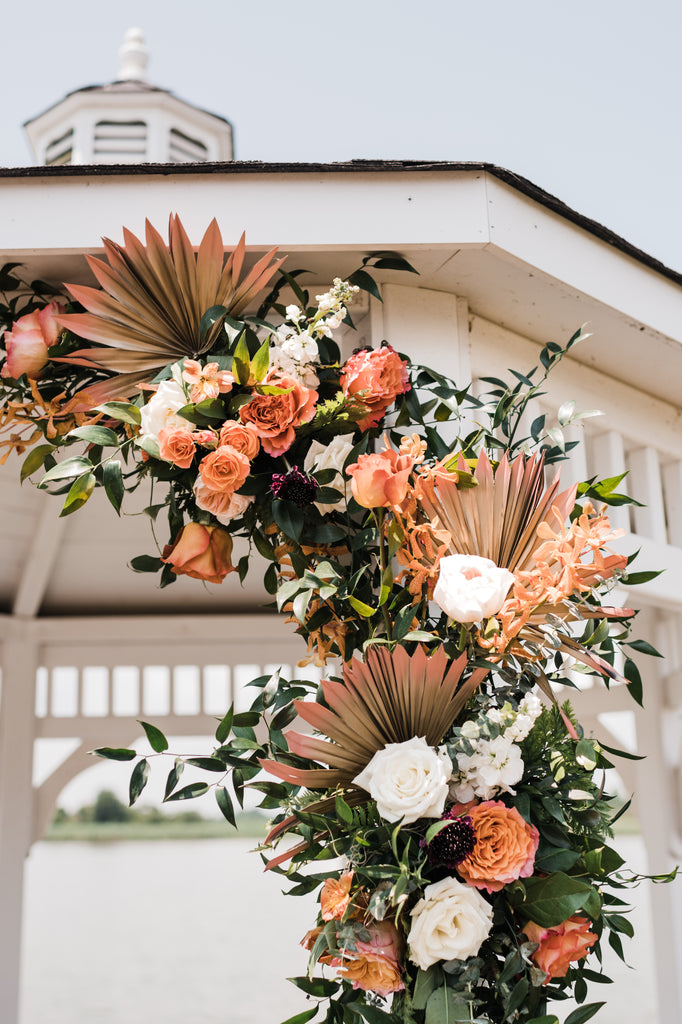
[[560, 945], [275, 417], [202, 552], [224, 505], [240, 436], [505, 847], [28, 341], [177, 446], [335, 896], [374, 379], [225, 469], [374, 966], [380, 480]]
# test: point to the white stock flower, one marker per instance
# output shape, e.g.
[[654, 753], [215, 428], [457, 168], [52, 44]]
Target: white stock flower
[[330, 456], [450, 922], [301, 347], [494, 767], [471, 588], [529, 709], [160, 412], [408, 780]]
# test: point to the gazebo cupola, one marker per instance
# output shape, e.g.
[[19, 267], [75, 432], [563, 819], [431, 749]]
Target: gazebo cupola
[[128, 121]]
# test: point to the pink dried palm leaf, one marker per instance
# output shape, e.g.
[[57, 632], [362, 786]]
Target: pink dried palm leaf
[[148, 310]]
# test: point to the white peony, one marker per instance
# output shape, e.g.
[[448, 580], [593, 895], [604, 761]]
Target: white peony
[[160, 412], [450, 922], [471, 588], [330, 456], [408, 780]]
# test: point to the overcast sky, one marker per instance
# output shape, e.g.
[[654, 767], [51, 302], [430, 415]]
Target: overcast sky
[[582, 98]]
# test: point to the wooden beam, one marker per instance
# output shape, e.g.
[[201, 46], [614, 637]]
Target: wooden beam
[[38, 566]]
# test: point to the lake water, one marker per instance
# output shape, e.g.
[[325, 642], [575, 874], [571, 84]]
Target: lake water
[[194, 933]]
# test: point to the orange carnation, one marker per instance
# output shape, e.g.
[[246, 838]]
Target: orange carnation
[[177, 446], [202, 552], [275, 417], [374, 379], [225, 469], [240, 436], [335, 896], [560, 945], [505, 847]]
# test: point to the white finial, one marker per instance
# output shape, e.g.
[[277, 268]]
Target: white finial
[[134, 57]]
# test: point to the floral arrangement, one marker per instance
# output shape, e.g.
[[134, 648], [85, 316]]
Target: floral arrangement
[[450, 814]]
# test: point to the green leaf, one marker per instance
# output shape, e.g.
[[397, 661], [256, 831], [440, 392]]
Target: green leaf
[[68, 469], [261, 361], [303, 1017], [207, 764], [372, 1014], [115, 753], [360, 607], [145, 563], [366, 282], [173, 777], [79, 492], [225, 726], [95, 435], [583, 1013], [189, 792], [320, 988], [138, 780], [112, 478], [643, 647], [225, 804], [343, 811], [289, 519], [550, 901], [241, 361], [157, 741], [34, 460], [423, 987], [444, 1007], [123, 411], [421, 636]]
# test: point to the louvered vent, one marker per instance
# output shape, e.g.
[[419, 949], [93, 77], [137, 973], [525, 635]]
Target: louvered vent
[[120, 142], [184, 150], [60, 151]]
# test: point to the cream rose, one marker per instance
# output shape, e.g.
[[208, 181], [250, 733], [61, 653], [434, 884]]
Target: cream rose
[[450, 922], [408, 780], [471, 588], [160, 412], [330, 456]]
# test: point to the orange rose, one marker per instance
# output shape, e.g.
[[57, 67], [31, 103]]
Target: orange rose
[[505, 847], [560, 945], [225, 469], [224, 505], [177, 446], [374, 379], [28, 341], [374, 966], [240, 436], [202, 552], [275, 417], [380, 480], [335, 896]]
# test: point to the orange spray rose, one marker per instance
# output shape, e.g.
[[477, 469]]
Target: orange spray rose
[[559, 946], [505, 847], [202, 552], [275, 417], [375, 379], [380, 480]]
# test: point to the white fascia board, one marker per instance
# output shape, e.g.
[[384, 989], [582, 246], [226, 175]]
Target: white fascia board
[[298, 211], [523, 230]]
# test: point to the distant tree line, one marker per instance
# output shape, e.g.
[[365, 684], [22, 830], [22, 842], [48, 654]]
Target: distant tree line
[[108, 808]]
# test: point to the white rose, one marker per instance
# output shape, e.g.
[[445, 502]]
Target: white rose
[[451, 922], [331, 456], [160, 411], [471, 588], [408, 780]]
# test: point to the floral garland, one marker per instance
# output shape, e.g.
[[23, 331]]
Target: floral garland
[[454, 587]]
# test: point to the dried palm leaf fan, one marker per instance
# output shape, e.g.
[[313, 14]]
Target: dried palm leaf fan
[[389, 698], [153, 297]]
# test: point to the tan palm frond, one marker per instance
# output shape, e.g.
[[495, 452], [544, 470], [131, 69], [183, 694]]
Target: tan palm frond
[[389, 698], [152, 298], [499, 518]]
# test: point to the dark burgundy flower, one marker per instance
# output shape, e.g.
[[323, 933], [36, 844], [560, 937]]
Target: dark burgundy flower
[[452, 844], [294, 486]]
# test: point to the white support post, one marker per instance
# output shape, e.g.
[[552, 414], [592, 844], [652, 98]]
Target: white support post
[[647, 487], [672, 486], [608, 459], [19, 663]]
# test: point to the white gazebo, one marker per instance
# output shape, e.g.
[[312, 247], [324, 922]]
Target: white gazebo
[[503, 268]]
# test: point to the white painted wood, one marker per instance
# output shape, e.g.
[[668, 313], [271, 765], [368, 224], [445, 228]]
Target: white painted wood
[[38, 566], [646, 486], [16, 805], [672, 489]]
